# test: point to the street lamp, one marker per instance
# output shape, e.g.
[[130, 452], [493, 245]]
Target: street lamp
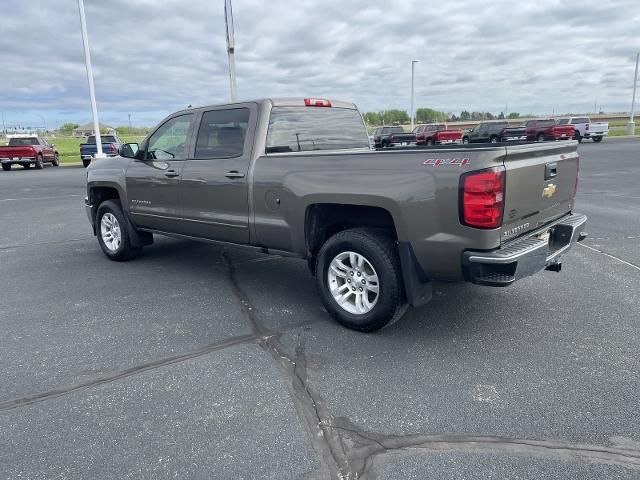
[[231, 47], [413, 71], [631, 126], [92, 92]]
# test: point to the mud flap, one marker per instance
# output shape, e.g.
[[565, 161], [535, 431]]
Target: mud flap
[[417, 287]]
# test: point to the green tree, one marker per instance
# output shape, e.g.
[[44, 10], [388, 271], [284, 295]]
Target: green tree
[[395, 116], [465, 116], [67, 128], [428, 115], [489, 116], [501, 116], [514, 115]]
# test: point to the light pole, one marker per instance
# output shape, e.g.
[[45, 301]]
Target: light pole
[[92, 92], [413, 72], [631, 126], [129, 123], [231, 47]]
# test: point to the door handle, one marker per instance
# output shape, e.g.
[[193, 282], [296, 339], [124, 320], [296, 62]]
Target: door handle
[[171, 174], [234, 174]]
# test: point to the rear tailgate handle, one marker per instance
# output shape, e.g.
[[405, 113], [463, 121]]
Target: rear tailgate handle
[[550, 171]]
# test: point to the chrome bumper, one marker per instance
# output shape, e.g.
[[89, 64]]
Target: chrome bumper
[[525, 256]]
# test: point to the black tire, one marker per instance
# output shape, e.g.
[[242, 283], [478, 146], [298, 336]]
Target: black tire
[[493, 139], [540, 137], [125, 251], [56, 160], [6, 167], [429, 142], [384, 144], [578, 137], [26, 166], [380, 251], [39, 162], [86, 162], [597, 139], [465, 140]]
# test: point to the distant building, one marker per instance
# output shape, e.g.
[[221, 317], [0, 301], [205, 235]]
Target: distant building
[[87, 129]]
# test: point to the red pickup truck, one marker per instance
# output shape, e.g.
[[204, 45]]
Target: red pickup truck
[[27, 151], [436, 133], [542, 130]]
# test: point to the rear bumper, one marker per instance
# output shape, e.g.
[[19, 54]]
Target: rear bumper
[[595, 134], [527, 255], [18, 160]]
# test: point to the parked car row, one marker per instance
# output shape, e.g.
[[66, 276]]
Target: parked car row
[[538, 130]]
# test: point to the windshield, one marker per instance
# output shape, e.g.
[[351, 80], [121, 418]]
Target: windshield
[[16, 142], [103, 138], [300, 129]]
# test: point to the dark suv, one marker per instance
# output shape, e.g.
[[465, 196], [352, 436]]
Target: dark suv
[[390, 136], [494, 132]]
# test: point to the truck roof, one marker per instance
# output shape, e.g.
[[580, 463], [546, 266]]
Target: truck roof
[[278, 102]]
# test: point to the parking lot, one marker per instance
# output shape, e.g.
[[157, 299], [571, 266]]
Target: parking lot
[[197, 361]]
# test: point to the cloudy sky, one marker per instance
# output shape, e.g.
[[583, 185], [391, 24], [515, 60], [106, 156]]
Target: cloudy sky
[[152, 57]]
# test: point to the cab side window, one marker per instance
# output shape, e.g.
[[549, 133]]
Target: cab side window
[[169, 142], [222, 133]]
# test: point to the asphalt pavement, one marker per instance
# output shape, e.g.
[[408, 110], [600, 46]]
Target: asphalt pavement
[[197, 361]]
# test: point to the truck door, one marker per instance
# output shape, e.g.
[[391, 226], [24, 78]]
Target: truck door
[[154, 178], [215, 186]]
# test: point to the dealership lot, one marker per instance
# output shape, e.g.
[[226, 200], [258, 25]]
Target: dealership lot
[[197, 361]]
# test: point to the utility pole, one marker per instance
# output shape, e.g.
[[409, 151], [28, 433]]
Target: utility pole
[[92, 92], [129, 123], [231, 47], [413, 72], [631, 126]]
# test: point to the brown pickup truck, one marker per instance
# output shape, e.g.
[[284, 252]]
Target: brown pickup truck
[[298, 177]]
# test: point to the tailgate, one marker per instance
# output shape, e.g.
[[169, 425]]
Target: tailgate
[[9, 152], [449, 135], [540, 185]]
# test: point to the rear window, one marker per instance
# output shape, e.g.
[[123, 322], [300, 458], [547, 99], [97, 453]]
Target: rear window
[[16, 142], [577, 121], [545, 123], [302, 129], [103, 139], [564, 121]]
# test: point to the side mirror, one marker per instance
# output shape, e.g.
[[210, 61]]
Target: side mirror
[[129, 150]]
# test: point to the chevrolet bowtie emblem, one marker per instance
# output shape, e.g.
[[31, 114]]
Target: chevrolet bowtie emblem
[[549, 190]]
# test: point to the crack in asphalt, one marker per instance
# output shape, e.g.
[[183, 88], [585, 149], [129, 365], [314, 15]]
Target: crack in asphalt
[[57, 392], [370, 446]]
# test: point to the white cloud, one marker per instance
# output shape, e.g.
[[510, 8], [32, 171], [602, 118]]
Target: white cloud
[[151, 57]]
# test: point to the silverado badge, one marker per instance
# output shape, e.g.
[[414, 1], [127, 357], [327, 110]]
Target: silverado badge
[[549, 190]]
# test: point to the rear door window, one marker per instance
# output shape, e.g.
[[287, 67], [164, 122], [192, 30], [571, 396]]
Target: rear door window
[[222, 133], [303, 129]]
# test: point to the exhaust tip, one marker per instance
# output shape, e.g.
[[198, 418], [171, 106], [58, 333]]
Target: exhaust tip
[[554, 267]]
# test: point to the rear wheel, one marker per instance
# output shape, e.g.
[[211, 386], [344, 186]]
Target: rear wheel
[[39, 162], [465, 140], [56, 160], [6, 167], [578, 137], [540, 137], [359, 279], [86, 162], [26, 166], [493, 139], [113, 232], [597, 139], [429, 142]]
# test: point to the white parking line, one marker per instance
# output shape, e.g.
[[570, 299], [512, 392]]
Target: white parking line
[[610, 256], [37, 198]]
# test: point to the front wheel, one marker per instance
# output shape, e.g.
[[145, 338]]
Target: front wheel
[[359, 279], [597, 139], [465, 140], [39, 162], [113, 233], [494, 139], [56, 160], [540, 137], [6, 167], [578, 137]]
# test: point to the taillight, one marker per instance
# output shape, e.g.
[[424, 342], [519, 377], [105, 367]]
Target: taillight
[[482, 198], [316, 102]]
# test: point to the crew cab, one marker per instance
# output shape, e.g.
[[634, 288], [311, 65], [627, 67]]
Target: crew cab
[[436, 134], [494, 132], [110, 146], [27, 151], [585, 128], [541, 130], [298, 178], [391, 136]]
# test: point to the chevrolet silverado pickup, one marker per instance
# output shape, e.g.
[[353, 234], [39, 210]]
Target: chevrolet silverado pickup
[[494, 132], [27, 151], [541, 130], [298, 177], [391, 136], [585, 128], [110, 146], [436, 134]]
